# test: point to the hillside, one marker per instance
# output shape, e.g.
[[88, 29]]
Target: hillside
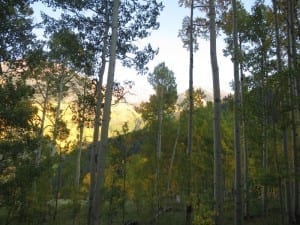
[[121, 113]]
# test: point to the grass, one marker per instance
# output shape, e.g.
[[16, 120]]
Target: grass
[[76, 214]]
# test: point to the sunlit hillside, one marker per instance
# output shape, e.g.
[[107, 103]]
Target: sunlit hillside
[[121, 113]]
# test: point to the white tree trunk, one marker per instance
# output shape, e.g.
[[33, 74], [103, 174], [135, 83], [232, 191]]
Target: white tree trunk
[[218, 164], [189, 204], [279, 69], [42, 128], [294, 112], [98, 200], [57, 113], [54, 138], [158, 150], [96, 132], [238, 216], [173, 158], [80, 141]]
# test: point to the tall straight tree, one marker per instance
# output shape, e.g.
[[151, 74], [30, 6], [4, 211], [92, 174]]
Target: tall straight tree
[[160, 94], [238, 215], [163, 81], [242, 27], [65, 53], [292, 62], [99, 99], [295, 92], [188, 220], [44, 85], [218, 174], [98, 200], [279, 70]]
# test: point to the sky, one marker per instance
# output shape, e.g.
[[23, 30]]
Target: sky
[[176, 57]]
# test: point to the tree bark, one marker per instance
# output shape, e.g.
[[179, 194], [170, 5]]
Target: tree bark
[[218, 164], [97, 123], [292, 62], [288, 205], [41, 130], [98, 200], [296, 92], [57, 112], [189, 207], [279, 69], [244, 145], [238, 216], [80, 141], [158, 150], [55, 135], [173, 158]]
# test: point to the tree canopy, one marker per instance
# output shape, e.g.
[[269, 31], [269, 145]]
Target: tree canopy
[[74, 151]]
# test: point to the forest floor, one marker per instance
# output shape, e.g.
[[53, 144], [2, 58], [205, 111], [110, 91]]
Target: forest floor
[[68, 215]]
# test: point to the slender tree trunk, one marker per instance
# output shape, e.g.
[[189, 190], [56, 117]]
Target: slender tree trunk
[[218, 164], [288, 205], [55, 135], [57, 114], [245, 153], [295, 158], [264, 122], [124, 184], [278, 169], [158, 152], [78, 159], [189, 208], [244, 146], [111, 200], [277, 37], [265, 167], [290, 210], [296, 92], [238, 218], [245, 160], [279, 69], [293, 101], [173, 158], [98, 200], [97, 123], [159, 127], [80, 141], [41, 130]]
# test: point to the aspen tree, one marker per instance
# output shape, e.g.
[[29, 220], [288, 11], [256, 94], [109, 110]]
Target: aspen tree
[[218, 174]]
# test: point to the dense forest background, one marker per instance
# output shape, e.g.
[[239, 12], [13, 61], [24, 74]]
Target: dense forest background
[[72, 151]]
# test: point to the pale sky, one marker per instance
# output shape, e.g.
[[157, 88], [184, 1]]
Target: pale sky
[[176, 57]]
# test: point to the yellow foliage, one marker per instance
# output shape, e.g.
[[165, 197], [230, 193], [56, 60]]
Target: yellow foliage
[[203, 215], [86, 183], [120, 114], [7, 174], [204, 219]]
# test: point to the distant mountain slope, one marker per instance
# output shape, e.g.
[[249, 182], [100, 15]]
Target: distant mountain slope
[[209, 96], [121, 113], [124, 113]]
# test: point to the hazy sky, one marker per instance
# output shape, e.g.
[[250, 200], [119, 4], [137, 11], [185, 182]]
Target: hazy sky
[[175, 56]]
